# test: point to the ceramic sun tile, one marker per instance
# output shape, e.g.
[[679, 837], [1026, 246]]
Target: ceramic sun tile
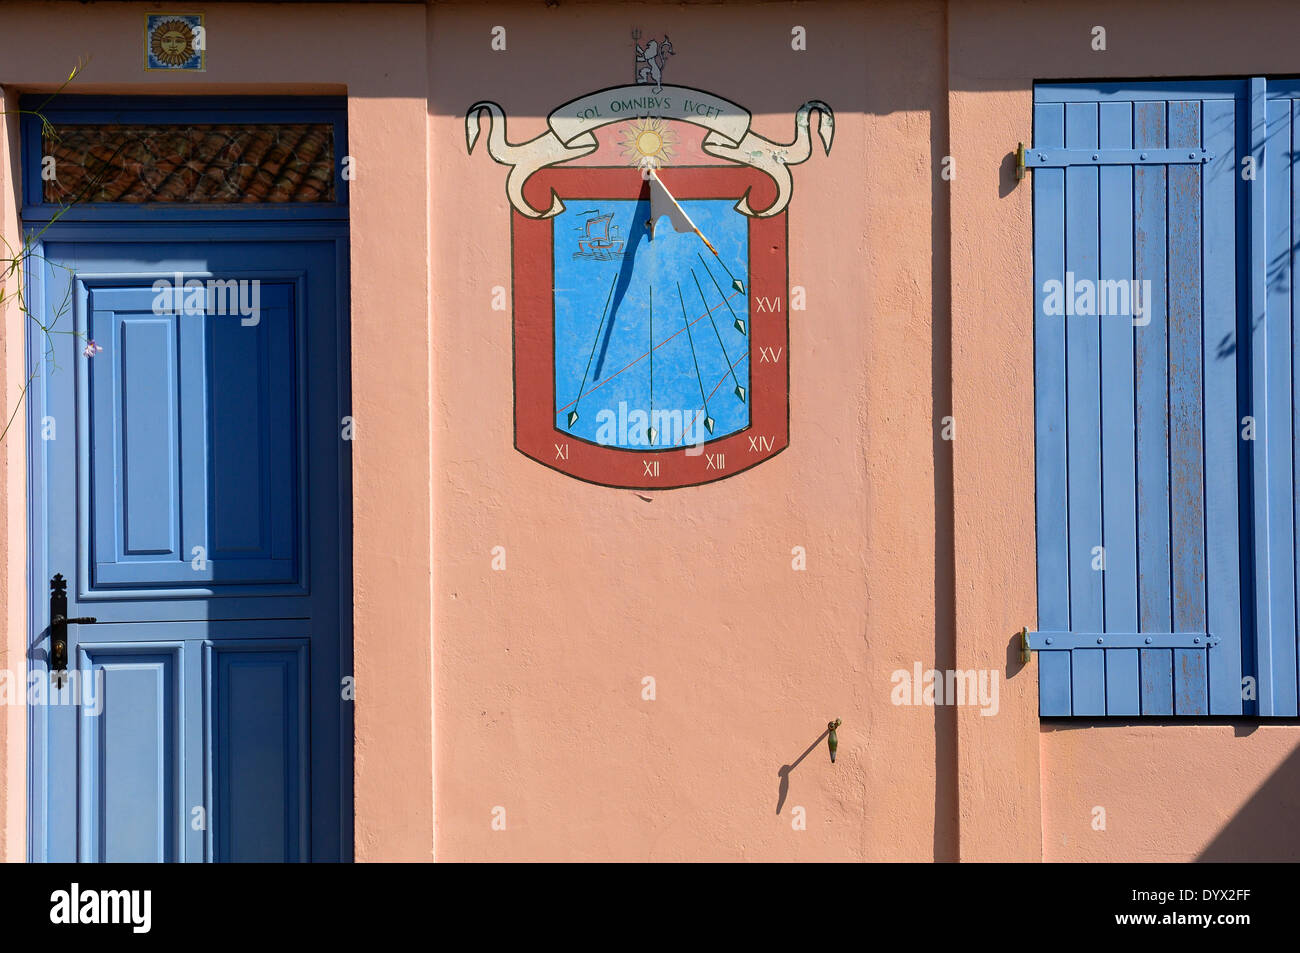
[[175, 41]]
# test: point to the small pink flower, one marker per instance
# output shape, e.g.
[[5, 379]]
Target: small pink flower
[[91, 348]]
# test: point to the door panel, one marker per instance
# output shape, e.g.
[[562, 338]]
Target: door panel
[[191, 497], [259, 704], [194, 432], [130, 744]]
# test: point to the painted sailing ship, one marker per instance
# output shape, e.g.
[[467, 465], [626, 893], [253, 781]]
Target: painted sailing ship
[[600, 239]]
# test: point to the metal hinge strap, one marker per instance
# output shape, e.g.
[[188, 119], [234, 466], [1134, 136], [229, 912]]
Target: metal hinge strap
[[1059, 158], [1061, 641]]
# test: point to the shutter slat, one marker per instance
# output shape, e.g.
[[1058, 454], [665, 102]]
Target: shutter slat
[[1221, 359], [1152, 423], [1119, 517], [1277, 687], [1256, 310], [1287, 674], [1186, 446], [1083, 413], [1049, 422]]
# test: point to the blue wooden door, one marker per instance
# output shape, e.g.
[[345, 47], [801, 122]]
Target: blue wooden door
[[187, 483]]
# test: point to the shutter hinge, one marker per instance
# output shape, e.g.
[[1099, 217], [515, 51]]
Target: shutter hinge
[[1040, 158], [1060, 641]]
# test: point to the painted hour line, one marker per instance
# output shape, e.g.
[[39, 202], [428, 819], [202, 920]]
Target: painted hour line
[[573, 414], [726, 299], [708, 421], [651, 433], [720, 382], [740, 391]]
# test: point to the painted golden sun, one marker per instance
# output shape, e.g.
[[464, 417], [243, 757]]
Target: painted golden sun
[[172, 42], [648, 143]]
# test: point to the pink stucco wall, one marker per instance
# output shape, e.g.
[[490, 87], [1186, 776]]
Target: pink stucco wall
[[522, 689], [540, 667]]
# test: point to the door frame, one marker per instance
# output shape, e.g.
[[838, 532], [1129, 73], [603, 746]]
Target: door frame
[[110, 224]]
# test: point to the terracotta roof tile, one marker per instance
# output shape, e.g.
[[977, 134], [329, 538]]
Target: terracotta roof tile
[[193, 164]]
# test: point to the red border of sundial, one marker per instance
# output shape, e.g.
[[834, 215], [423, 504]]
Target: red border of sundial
[[536, 430]]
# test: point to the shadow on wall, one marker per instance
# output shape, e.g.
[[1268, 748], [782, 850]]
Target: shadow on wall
[[1266, 828], [783, 790]]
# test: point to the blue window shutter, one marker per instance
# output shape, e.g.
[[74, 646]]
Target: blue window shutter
[[1275, 136], [1136, 424]]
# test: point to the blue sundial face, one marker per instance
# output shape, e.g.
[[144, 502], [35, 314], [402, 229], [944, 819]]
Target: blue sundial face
[[651, 333]]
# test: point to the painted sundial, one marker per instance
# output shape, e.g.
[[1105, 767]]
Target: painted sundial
[[649, 277], [618, 369]]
